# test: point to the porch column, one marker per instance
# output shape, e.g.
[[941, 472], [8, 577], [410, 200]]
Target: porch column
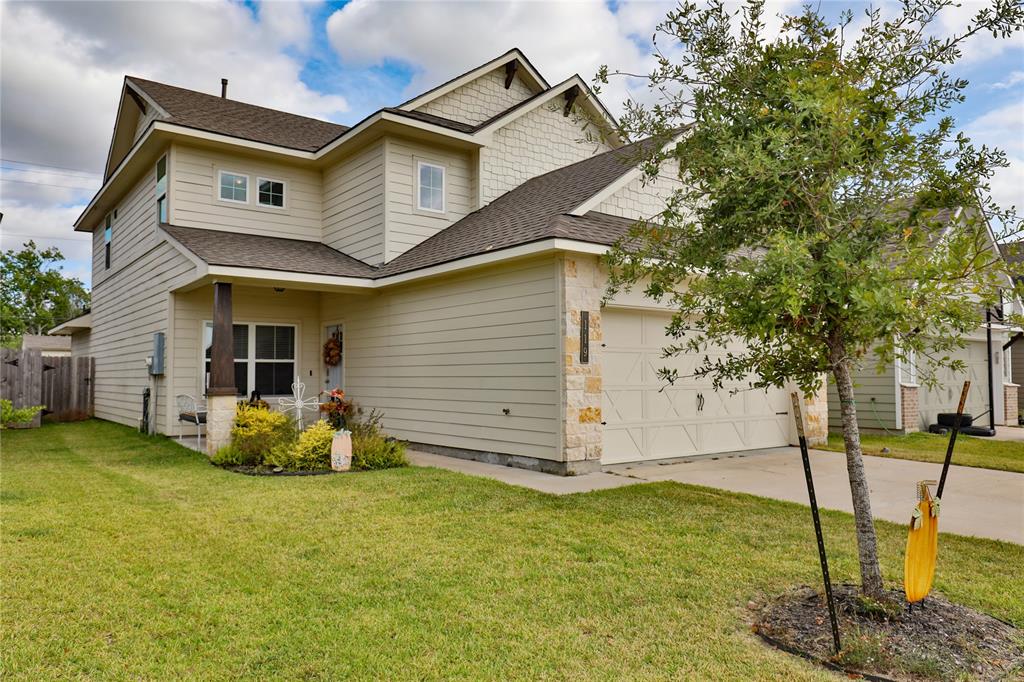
[[221, 392]]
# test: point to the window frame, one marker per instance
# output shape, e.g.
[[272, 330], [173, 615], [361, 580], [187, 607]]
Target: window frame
[[161, 196], [220, 197], [251, 360], [420, 164], [284, 193], [108, 239]]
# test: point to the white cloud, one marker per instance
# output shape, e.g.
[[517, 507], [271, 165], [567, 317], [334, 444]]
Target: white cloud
[[1014, 78], [1004, 128]]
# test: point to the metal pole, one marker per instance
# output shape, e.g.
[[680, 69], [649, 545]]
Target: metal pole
[[798, 413], [991, 375], [952, 438]]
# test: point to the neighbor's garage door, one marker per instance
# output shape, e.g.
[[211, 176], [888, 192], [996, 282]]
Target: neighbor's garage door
[[646, 419], [945, 397]]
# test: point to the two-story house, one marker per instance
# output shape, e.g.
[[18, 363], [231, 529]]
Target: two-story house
[[451, 244]]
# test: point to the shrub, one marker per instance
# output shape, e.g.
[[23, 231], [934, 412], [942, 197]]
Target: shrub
[[22, 415], [256, 432], [313, 449], [229, 456], [372, 449]]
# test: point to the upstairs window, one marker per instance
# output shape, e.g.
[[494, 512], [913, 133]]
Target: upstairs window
[[161, 190], [271, 192], [430, 187], [234, 187], [108, 236]]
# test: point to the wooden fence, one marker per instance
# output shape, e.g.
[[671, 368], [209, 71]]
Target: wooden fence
[[64, 385]]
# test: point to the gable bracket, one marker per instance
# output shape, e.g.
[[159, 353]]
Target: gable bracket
[[139, 102], [510, 72], [570, 98]]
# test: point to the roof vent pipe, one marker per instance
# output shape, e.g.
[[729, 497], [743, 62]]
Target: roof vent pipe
[[224, 88]]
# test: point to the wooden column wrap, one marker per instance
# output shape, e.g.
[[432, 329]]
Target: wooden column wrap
[[222, 360]]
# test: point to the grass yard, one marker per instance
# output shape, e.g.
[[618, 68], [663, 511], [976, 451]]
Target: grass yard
[[970, 451], [129, 557]]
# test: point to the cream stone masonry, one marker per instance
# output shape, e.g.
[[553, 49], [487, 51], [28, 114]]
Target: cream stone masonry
[[583, 286], [816, 416], [480, 99], [220, 412], [531, 145], [1010, 403]]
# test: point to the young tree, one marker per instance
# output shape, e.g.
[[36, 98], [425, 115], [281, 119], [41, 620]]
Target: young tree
[[827, 209], [35, 295]]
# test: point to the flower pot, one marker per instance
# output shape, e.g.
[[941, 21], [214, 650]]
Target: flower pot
[[341, 451]]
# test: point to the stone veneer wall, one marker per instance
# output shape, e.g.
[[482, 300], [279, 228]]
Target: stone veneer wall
[[220, 412], [910, 408], [1010, 403], [583, 284], [816, 416]]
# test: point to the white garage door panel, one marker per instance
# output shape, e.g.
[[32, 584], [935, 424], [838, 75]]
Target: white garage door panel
[[647, 419], [945, 397]]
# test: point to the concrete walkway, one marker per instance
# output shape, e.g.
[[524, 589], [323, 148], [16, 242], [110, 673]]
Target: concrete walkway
[[978, 502]]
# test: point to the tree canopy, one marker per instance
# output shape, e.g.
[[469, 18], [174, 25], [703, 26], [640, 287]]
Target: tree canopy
[[35, 294], [828, 208]]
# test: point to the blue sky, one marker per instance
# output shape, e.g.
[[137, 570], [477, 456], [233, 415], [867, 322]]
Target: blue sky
[[63, 64]]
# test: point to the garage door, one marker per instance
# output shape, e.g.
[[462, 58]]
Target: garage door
[[945, 397], [647, 419]]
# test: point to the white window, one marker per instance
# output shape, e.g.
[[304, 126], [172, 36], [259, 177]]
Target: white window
[[234, 187], [429, 187], [270, 192], [264, 357], [908, 369]]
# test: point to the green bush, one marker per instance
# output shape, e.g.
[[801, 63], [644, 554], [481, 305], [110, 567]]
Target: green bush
[[372, 449], [22, 415], [281, 455], [256, 432], [313, 449], [229, 456]]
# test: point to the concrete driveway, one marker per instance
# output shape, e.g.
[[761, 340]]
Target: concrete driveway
[[978, 502]]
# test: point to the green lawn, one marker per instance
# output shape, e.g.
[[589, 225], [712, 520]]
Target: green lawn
[[127, 557], [970, 451]]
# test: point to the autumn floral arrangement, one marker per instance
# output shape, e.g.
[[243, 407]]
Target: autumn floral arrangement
[[332, 351], [336, 408]]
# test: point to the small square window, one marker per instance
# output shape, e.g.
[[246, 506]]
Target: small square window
[[271, 193], [430, 192], [234, 187]]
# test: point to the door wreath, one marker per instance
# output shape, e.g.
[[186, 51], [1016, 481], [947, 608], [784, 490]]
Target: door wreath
[[332, 352]]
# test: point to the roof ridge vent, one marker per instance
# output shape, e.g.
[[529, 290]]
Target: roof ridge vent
[[224, 88]]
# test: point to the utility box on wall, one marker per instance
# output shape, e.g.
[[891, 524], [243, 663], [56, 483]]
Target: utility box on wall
[[156, 367]]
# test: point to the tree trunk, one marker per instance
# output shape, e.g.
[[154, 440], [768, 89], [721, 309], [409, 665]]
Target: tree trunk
[[867, 543]]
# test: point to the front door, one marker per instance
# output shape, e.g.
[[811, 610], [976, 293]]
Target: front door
[[334, 374]]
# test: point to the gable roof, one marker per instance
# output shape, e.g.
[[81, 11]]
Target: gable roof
[[230, 117], [267, 253]]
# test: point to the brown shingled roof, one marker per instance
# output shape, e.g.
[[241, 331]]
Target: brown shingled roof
[[237, 119], [268, 253]]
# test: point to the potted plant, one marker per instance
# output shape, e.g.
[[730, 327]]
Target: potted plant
[[334, 410]]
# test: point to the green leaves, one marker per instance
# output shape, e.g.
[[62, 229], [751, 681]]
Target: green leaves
[[34, 294]]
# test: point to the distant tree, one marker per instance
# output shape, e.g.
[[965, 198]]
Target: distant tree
[[35, 295], [816, 168]]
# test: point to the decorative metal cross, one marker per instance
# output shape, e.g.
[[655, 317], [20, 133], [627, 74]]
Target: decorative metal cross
[[298, 402]]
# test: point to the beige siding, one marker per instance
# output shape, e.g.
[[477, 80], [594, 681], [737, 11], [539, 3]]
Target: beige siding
[[195, 202], [480, 99], [133, 230], [876, 399], [531, 145], [79, 344], [406, 225], [442, 360], [128, 307], [353, 205]]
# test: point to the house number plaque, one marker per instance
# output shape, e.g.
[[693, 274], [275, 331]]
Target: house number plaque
[[584, 337]]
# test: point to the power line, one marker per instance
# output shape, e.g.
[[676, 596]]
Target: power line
[[48, 184], [44, 165], [42, 171], [84, 240]]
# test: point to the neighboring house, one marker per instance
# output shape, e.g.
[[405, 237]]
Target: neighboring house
[[451, 244], [890, 399], [1013, 252], [49, 345], [76, 332]]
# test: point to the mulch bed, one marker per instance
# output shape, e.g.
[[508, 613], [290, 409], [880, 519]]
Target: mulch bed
[[940, 640]]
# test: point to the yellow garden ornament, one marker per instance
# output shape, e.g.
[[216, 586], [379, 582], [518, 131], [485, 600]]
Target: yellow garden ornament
[[922, 545]]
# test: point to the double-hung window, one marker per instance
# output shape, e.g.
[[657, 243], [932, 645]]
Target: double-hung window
[[264, 357], [233, 187], [161, 190], [430, 187], [271, 192]]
